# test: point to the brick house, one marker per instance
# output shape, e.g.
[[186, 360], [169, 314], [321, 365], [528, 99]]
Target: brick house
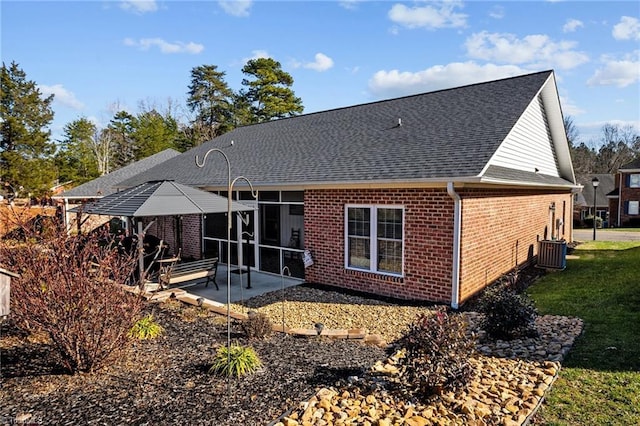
[[424, 197], [624, 200]]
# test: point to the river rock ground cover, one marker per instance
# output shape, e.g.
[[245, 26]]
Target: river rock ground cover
[[166, 381]]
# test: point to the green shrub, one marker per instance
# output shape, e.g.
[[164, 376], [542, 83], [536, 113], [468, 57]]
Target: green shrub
[[235, 361], [146, 328], [257, 325], [437, 353], [507, 314]]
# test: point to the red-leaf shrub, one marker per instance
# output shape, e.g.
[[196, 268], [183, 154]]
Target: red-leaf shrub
[[70, 288], [437, 353]]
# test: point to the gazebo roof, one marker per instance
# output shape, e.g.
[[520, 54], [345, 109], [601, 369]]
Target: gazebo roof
[[161, 198]]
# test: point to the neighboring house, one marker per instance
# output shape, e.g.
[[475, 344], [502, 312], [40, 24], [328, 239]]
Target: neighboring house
[[424, 197], [583, 204], [624, 200], [105, 185]]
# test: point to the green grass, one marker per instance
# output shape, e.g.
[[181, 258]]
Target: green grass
[[624, 229], [607, 245], [600, 380]]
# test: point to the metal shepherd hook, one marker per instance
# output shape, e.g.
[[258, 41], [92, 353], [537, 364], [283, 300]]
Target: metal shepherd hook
[[254, 193]]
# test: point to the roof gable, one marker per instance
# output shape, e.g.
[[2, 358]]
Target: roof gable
[[606, 185], [431, 137], [538, 142], [528, 147]]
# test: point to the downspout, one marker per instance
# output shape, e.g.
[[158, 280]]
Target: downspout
[[457, 225], [619, 198]]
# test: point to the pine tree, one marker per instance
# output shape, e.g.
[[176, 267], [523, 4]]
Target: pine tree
[[25, 147], [75, 159], [269, 94], [211, 99]]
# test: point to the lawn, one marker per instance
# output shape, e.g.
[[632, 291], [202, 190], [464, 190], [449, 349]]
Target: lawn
[[600, 380]]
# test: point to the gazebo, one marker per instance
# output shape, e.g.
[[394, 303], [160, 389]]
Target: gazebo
[[161, 198]]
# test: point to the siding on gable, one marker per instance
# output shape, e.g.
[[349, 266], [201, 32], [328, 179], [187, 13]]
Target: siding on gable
[[529, 145]]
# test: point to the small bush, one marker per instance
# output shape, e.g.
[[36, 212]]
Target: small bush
[[257, 326], [436, 358], [146, 328], [588, 222], [235, 361], [192, 313], [507, 314]]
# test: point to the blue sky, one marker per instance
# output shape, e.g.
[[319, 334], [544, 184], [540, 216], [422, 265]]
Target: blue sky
[[102, 56]]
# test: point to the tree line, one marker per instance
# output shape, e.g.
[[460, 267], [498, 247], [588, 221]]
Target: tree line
[[31, 161], [618, 145]]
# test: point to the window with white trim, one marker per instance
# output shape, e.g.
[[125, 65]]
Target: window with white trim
[[634, 180], [634, 207], [374, 238]]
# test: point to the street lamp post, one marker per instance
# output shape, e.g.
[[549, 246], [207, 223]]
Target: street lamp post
[[230, 184], [595, 182]]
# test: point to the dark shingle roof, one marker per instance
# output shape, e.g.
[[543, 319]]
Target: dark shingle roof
[[606, 184], [161, 198], [635, 164], [444, 134], [107, 184], [504, 174]]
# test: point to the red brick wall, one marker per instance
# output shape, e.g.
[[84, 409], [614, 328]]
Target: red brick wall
[[627, 194], [428, 236], [164, 228], [500, 231], [192, 236]]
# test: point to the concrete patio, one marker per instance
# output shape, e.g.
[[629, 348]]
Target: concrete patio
[[260, 283]]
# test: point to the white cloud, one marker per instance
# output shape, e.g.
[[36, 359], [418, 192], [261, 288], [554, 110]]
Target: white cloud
[[620, 73], [440, 15], [322, 63], [349, 4], [537, 50], [497, 12], [61, 95], [627, 29], [165, 46], [569, 107], [238, 8], [139, 6], [571, 25], [396, 83], [256, 54]]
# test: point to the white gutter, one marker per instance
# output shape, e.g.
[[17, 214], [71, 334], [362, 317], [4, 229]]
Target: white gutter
[[619, 198], [457, 226]]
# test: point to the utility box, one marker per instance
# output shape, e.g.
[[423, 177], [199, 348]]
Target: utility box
[[552, 254], [5, 291]]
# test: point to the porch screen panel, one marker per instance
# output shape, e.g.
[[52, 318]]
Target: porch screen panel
[[389, 233], [359, 237]]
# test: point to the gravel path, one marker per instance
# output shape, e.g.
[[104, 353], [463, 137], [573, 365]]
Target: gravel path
[[165, 381]]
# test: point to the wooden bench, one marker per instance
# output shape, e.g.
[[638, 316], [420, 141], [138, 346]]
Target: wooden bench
[[180, 272]]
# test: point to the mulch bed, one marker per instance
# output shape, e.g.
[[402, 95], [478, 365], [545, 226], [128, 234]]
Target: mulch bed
[[166, 381]]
